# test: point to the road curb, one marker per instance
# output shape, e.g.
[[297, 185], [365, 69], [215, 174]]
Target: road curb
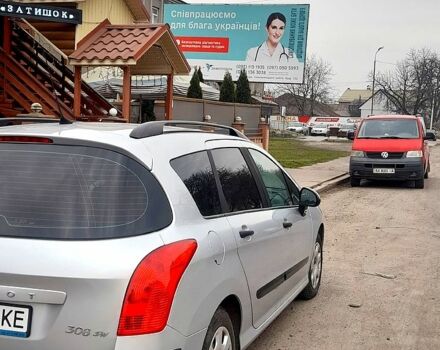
[[331, 183]]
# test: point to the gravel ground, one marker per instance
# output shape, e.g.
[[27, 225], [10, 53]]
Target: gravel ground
[[380, 287]]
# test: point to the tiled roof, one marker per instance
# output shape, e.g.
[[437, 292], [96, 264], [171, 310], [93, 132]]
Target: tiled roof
[[121, 45], [319, 109], [351, 95], [116, 42]]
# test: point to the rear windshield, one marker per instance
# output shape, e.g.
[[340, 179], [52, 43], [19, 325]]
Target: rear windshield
[[389, 129], [74, 193]]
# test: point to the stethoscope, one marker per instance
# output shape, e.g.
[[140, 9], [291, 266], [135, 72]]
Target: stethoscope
[[281, 54]]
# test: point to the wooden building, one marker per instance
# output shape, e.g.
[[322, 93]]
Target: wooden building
[[45, 45]]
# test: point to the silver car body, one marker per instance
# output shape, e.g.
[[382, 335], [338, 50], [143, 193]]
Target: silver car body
[[76, 287]]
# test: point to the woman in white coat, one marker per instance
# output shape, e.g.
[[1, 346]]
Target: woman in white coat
[[271, 50]]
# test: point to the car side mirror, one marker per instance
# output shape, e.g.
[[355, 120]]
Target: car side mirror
[[350, 134], [308, 198], [429, 136]]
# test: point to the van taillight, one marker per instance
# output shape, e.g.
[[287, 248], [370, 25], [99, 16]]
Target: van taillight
[[25, 139], [151, 290]]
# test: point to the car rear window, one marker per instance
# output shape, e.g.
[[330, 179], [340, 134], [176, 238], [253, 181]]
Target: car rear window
[[389, 129], [238, 184], [76, 193], [196, 173]]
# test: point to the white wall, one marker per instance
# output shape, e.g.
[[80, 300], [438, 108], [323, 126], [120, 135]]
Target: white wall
[[379, 107]]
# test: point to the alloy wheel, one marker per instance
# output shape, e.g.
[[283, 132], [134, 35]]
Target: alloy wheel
[[221, 340], [315, 273]]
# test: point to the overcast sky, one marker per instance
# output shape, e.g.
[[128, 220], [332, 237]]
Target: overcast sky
[[347, 33]]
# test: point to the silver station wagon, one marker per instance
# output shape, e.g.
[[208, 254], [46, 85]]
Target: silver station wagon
[[158, 236]]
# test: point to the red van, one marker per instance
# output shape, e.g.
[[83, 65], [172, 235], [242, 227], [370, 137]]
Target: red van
[[391, 147]]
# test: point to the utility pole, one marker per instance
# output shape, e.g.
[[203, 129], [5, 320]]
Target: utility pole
[[374, 79]]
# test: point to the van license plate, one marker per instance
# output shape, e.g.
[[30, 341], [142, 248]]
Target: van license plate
[[383, 171], [15, 320]]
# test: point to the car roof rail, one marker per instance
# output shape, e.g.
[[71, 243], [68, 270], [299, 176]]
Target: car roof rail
[[25, 120], [155, 128]]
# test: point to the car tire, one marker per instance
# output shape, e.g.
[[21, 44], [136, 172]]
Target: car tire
[[355, 182], [428, 169], [315, 271], [419, 183], [220, 334]]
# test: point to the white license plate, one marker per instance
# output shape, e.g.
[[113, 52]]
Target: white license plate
[[15, 321], [383, 171]]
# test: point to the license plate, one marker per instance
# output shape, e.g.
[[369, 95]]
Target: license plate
[[383, 171], [15, 320]]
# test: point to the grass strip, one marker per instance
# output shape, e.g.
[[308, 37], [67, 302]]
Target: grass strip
[[292, 153]]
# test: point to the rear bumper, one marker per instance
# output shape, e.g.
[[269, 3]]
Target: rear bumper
[[404, 169], [168, 339]]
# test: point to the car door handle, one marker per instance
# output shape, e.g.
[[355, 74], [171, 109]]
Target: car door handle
[[287, 224], [246, 233]]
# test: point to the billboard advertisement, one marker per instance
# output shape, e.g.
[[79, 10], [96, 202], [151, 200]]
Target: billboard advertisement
[[268, 41]]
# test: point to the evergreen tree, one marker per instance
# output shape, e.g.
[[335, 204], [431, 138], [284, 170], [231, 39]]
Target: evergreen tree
[[194, 90], [227, 90], [200, 74], [243, 89]]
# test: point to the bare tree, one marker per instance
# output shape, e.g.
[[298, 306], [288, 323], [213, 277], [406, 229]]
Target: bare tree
[[316, 86], [413, 86]]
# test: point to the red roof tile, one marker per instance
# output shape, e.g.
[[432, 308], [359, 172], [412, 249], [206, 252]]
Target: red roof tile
[[131, 45], [118, 42]]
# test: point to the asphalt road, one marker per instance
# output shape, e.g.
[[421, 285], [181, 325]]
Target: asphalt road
[[380, 287]]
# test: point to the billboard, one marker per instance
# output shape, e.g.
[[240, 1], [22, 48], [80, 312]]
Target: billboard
[[268, 41]]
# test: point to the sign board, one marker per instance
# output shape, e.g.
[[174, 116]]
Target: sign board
[[40, 12], [268, 41]]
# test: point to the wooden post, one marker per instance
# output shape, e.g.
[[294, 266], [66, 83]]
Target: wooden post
[[126, 94], [169, 98], [77, 93], [140, 120], [7, 35], [264, 129]]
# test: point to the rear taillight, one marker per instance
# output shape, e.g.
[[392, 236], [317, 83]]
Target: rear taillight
[[151, 290], [25, 139]]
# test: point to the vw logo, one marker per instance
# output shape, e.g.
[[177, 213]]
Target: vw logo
[[384, 154]]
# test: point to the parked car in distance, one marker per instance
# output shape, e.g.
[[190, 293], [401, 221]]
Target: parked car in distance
[[390, 147], [298, 127], [432, 133], [345, 128], [159, 236], [351, 134], [320, 129]]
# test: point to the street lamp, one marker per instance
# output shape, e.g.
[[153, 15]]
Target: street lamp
[[434, 85], [374, 79]]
